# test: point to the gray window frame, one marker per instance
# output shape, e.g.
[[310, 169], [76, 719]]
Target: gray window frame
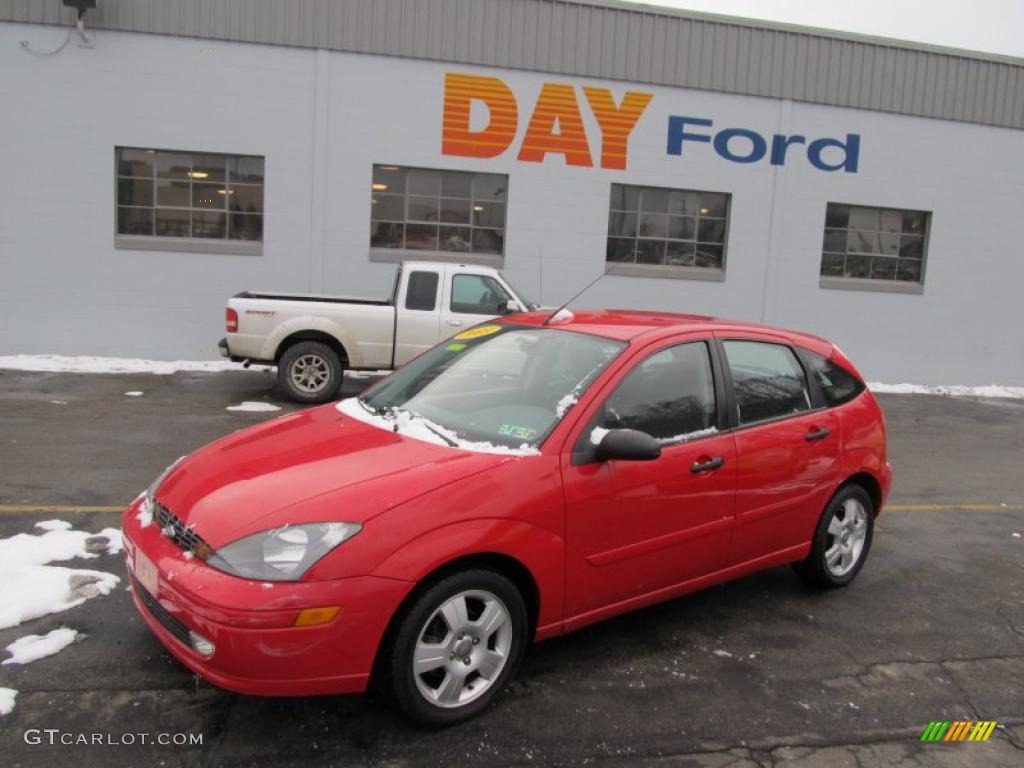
[[189, 244], [683, 272], [388, 254], [876, 284]]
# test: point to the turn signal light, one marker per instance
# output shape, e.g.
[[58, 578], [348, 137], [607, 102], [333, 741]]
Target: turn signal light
[[231, 320], [311, 617]]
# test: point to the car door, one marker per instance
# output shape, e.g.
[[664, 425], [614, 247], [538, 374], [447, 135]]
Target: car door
[[471, 298], [787, 450], [635, 527], [418, 317]]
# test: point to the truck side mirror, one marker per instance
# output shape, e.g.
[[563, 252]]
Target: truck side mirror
[[509, 307]]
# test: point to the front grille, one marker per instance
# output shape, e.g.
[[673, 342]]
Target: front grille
[[158, 612], [175, 529]]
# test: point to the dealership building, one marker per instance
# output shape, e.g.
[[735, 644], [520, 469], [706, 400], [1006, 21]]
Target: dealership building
[[165, 155]]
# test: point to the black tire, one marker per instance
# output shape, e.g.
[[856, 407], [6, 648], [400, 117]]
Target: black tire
[[816, 569], [306, 362], [418, 619]]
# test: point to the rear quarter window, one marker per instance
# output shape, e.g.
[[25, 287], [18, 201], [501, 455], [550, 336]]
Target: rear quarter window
[[837, 384]]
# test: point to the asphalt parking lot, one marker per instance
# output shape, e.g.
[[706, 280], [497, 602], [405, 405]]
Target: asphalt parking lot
[[760, 672]]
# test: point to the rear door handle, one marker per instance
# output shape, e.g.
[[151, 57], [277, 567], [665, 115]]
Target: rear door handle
[[707, 466], [816, 434], [455, 323]]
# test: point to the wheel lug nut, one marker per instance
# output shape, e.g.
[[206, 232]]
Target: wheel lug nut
[[451, 657], [476, 641], [466, 661]]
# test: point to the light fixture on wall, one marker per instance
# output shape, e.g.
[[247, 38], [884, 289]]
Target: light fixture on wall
[[198, 174], [84, 41], [378, 187]]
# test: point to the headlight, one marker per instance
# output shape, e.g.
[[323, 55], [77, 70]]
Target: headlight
[[281, 554], [145, 514]]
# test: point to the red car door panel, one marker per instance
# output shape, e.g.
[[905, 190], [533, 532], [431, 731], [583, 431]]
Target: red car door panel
[[634, 527]]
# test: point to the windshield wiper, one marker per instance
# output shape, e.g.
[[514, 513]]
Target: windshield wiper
[[366, 406], [440, 434]]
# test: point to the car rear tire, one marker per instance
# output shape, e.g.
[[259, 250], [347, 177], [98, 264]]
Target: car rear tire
[[456, 646], [841, 540], [310, 372]]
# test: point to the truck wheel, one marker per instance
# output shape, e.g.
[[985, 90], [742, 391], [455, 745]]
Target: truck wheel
[[310, 372]]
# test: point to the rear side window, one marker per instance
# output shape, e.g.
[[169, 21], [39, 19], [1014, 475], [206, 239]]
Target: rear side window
[[422, 291], [767, 380], [837, 384], [669, 395]]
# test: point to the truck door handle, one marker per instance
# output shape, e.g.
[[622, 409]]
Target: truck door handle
[[816, 434], [706, 466], [455, 323]]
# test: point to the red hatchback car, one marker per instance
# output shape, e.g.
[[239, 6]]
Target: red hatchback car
[[521, 480]]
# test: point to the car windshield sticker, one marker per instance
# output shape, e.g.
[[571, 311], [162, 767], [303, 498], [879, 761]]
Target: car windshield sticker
[[455, 347], [476, 333], [520, 433]]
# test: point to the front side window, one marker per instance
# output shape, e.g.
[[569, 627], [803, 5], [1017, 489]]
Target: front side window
[[883, 244], [670, 395], [478, 295], [767, 380], [667, 227], [189, 195], [423, 209], [501, 385]]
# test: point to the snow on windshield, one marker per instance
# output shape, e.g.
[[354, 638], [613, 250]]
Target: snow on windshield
[[411, 425]]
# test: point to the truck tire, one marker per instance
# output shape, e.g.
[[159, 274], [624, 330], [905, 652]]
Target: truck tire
[[310, 372]]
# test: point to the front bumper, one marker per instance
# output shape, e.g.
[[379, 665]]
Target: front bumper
[[258, 650]]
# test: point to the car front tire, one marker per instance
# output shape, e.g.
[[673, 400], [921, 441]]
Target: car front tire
[[310, 372], [456, 647], [842, 539]]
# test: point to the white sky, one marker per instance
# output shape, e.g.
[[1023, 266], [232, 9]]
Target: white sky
[[993, 26]]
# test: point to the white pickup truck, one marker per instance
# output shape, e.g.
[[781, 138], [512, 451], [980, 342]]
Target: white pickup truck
[[313, 339]]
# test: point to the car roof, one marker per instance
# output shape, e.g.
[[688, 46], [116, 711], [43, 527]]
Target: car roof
[[632, 324]]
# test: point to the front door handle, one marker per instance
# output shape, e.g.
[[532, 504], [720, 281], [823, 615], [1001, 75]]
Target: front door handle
[[707, 466], [816, 434], [455, 323]]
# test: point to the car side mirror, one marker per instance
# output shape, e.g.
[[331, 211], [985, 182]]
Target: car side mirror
[[628, 445], [509, 307]]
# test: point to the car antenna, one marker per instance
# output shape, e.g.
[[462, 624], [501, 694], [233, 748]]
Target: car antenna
[[587, 287]]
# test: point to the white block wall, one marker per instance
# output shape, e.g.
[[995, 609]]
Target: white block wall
[[322, 119]]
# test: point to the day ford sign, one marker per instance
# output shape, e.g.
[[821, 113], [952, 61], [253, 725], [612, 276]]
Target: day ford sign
[[556, 127]]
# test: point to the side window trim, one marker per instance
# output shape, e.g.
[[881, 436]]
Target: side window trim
[[733, 415]]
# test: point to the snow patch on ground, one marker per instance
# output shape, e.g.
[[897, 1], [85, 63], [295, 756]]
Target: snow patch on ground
[[952, 390], [723, 654], [30, 588], [365, 374], [89, 364], [31, 648], [410, 425], [7, 700], [254, 406], [134, 393]]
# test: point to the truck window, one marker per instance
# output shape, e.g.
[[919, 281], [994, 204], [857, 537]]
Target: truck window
[[477, 295], [422, 291]]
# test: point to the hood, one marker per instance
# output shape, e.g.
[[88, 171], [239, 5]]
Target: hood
[[312, 466]]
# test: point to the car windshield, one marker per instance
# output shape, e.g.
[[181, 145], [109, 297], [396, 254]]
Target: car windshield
[[493, 385]]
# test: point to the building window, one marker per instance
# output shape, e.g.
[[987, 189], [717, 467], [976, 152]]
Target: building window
[[189, 195], [419, 209], [883, 244], [667, 227]]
